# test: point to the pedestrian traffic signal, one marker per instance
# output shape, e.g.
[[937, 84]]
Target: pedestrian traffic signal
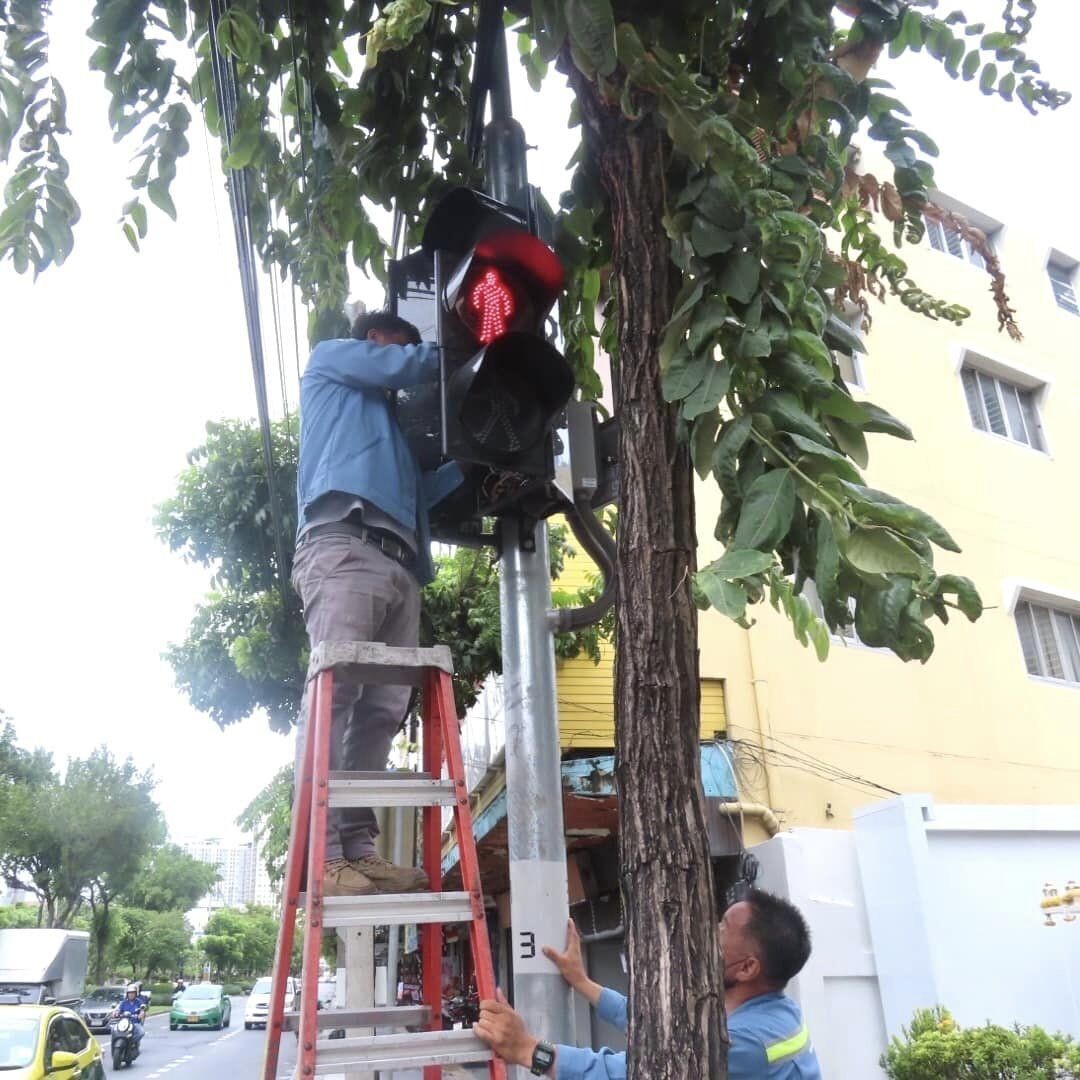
[[503, 384]]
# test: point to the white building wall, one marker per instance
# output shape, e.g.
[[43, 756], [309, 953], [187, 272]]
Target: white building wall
[[927, 905]]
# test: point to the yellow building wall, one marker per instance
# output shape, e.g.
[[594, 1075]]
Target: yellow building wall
[[971, 725], [586, 690]]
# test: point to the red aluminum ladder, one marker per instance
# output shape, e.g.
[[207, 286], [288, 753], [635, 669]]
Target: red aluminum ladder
[[316, 791]]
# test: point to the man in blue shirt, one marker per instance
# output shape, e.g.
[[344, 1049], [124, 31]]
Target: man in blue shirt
[[134, 1008], [362, 555], [765, 943]]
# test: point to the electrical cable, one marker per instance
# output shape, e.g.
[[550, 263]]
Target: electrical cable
[[225, 83]]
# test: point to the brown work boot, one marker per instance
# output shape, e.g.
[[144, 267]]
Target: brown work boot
[[342, 878], [388, 878]]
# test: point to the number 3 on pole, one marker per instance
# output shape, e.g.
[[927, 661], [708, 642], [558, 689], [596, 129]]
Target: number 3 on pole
[[527, 945]]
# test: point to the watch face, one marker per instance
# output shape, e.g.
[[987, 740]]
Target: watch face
[[543, 1058]]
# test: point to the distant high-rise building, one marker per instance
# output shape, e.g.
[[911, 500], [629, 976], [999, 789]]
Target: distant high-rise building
[[236, 863]]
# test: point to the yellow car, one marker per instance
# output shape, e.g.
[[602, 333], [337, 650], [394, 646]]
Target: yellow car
[[46, 1040]]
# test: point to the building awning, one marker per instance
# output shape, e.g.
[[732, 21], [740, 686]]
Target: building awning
[[590, 812]]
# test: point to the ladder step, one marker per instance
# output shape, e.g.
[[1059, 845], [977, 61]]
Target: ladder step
[[397, 909], [396, 1016], [404, 1051], [375, 664], [345, 790]]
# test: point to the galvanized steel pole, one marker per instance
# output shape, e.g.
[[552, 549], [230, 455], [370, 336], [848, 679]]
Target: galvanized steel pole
[[538, 891]]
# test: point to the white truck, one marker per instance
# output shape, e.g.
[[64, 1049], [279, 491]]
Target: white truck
[[43, 967]]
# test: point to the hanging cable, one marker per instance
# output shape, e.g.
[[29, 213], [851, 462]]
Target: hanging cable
[[226, 88]]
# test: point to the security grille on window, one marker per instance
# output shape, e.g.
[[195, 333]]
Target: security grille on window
[[1002, 407], [946, 239], [1050, 639], [1063, 282]]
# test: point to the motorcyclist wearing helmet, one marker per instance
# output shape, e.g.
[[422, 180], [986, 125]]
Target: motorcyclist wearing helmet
[[134, 1008]]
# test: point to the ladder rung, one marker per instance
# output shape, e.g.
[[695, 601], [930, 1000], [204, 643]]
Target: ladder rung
[[396, 1016], [404, 1051], [375, 664], [392, 791], [397, 909]]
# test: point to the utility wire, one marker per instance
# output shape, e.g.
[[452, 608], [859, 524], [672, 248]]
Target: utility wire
[[226, 88]]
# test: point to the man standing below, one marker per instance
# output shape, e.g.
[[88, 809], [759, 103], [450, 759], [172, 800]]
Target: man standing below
[[765, 941], [362, 555]]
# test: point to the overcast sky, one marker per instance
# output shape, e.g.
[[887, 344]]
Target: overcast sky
[[111, 365]]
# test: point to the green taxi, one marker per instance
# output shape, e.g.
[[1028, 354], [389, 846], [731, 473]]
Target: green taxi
[[46, 1040], [201, 1005]]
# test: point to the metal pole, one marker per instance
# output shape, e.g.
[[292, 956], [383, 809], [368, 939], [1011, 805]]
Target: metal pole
[[539, 908], [538, 892]]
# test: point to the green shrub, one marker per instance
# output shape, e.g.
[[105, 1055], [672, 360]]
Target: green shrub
[[233, 989], [935, 1048]]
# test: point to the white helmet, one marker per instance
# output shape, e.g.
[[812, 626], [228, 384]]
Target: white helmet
[[132, 988]]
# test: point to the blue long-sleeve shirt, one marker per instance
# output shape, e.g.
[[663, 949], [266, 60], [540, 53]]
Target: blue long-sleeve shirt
[[769, 1041], [350, 442]]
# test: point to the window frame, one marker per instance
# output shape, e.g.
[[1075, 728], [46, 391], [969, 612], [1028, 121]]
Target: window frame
[[966, 254], [1069, 269], [1022, 594], [852, 315], [1019, 379]]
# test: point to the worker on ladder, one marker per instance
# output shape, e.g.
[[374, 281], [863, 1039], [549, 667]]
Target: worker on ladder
[[362, 555]]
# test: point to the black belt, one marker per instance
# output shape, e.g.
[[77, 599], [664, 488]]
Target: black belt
[[386, 542]]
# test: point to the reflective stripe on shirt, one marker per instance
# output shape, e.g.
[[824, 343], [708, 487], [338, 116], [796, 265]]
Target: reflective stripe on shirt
[[789, 1047]]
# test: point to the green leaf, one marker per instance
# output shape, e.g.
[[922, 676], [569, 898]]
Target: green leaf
[[683, 374], [885, 509], [242, 149], [592, 31], [819, 637], [740, 276], [727, 597], [787, 413], [988, 79], [767, 511], [709, 239], [838, 335], [970, 66], [967, 596], [741, 563], [710, 391], [880, 551], [158, 191], [754, 343], [841, 466], [810, 347], [826, 563], [702, 442], [733, 436]]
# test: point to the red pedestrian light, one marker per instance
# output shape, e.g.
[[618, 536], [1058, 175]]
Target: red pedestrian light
[[490, 305]]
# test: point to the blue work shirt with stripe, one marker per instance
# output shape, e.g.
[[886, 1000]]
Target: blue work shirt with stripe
[[769, 1041]]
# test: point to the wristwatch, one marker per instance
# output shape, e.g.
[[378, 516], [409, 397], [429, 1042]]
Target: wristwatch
[[543, 1058]]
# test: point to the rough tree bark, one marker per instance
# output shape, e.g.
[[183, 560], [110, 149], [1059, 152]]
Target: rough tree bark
[[677, 1026]]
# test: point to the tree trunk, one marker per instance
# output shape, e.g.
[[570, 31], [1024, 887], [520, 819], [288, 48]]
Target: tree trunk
[[677, 1027], [99, 920]]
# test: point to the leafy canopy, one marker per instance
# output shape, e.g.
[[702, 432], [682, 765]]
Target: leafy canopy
[[769, 221]]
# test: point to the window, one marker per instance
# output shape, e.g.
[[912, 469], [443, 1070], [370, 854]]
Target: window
[[851, 367], [1063, 282], [1002, 407], [74, 1035], [1050, 638], [948, 240]]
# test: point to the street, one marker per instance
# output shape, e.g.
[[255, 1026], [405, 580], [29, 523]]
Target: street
[[232, 1052]]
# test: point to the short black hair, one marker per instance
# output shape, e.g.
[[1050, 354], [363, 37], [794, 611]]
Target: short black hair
[[386, 323], [782, 935]]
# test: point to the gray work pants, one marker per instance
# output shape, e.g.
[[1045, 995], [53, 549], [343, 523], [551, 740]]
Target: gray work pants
[[351, 591]]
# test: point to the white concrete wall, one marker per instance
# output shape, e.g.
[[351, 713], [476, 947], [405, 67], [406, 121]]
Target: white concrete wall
[[837, 990], [924, 905]]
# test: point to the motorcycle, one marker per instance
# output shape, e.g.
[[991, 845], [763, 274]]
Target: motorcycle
[[461, 1010], [124, 1045]]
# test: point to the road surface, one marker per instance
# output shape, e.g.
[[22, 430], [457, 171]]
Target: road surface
[[232, 1053]]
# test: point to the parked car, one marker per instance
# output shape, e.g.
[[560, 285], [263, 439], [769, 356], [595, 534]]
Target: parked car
[[202, 1005], [46, 1040], [97, 1007], [258, 1002]]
